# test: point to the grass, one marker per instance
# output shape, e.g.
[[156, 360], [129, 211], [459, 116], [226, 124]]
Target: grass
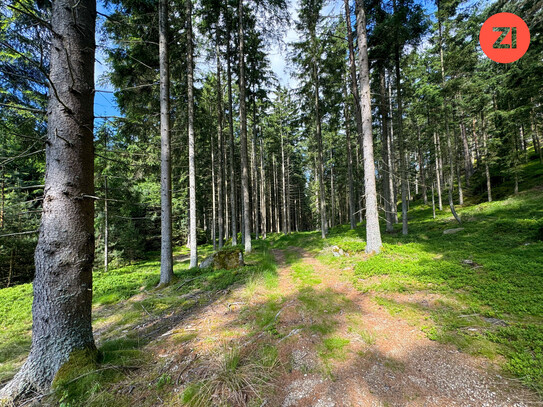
[[491, 269], [123, 300], [236, 377]]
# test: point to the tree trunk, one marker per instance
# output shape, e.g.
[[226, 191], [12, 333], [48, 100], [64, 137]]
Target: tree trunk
[[254, 173], [288, 194], [373, 233], [422, 170], [352, 69], [263, 191], [320, 166], [347, 115], [221, 186], [433, 203], [391, 164], [243, 133], [213, 196], [61, 309], [401, 142], [387, 174], [276, 195], [166, 258], [468, 165], [487, 159], [438, 170], [192, 166], [233, 205], [283, 178], [106, 227], [449, 143], [332, 219]]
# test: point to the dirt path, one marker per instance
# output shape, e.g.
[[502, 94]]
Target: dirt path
[[336, 345], [383, 360]]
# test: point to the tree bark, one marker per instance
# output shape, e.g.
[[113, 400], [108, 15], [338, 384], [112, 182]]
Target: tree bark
[[449, 143], [400, 135], [438, 170], [283, 177], [61, 309], [221, 186], [243, 133], [166, 257], [347, 115], [373, 233], [387, 170], [254, 173], [320, 166], [192, 165], [352, 70], [263, 209], [233, 205], [468, 165]]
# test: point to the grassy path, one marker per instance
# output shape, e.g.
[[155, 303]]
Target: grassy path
[[304, 336], [350, 350]]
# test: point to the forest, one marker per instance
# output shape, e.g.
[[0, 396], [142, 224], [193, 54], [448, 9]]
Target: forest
[[270, 203]]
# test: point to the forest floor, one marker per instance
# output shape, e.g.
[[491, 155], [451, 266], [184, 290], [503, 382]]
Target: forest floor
[[435, 320]]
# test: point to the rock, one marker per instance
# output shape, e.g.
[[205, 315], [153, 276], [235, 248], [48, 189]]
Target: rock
[[207, 262], [339, 252], [452, 231], [495, 321], [228, 260]]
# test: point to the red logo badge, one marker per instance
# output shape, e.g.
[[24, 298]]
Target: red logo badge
[[504, 37]]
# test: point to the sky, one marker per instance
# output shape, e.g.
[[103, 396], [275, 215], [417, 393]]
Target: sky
[[105, 102]]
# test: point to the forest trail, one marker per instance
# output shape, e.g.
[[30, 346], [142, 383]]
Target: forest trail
[[369, 357], [335, 346]]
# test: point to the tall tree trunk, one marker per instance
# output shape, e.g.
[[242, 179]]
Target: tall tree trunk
[[166, 257], [449, 143], [391, 164], [106, 226], [2, 197], [263, 191], [221, 186], [487, 159], [332, 195], [438, 171], [243, 133], [192, 165], [61, 309], [254, 172], [422, 169], [352, 70], [213, 196], [233, 202], [433, 203], [468, 165], [347, 115], [387, 170], [320, 166], [401, 141], [288, 194], [460, 189], [373, 233], [476, 142], [276, 195], [283, 178]]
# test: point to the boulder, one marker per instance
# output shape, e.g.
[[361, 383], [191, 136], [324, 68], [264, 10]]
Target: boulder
[[207, 262], [452, 231], [228, 260]]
